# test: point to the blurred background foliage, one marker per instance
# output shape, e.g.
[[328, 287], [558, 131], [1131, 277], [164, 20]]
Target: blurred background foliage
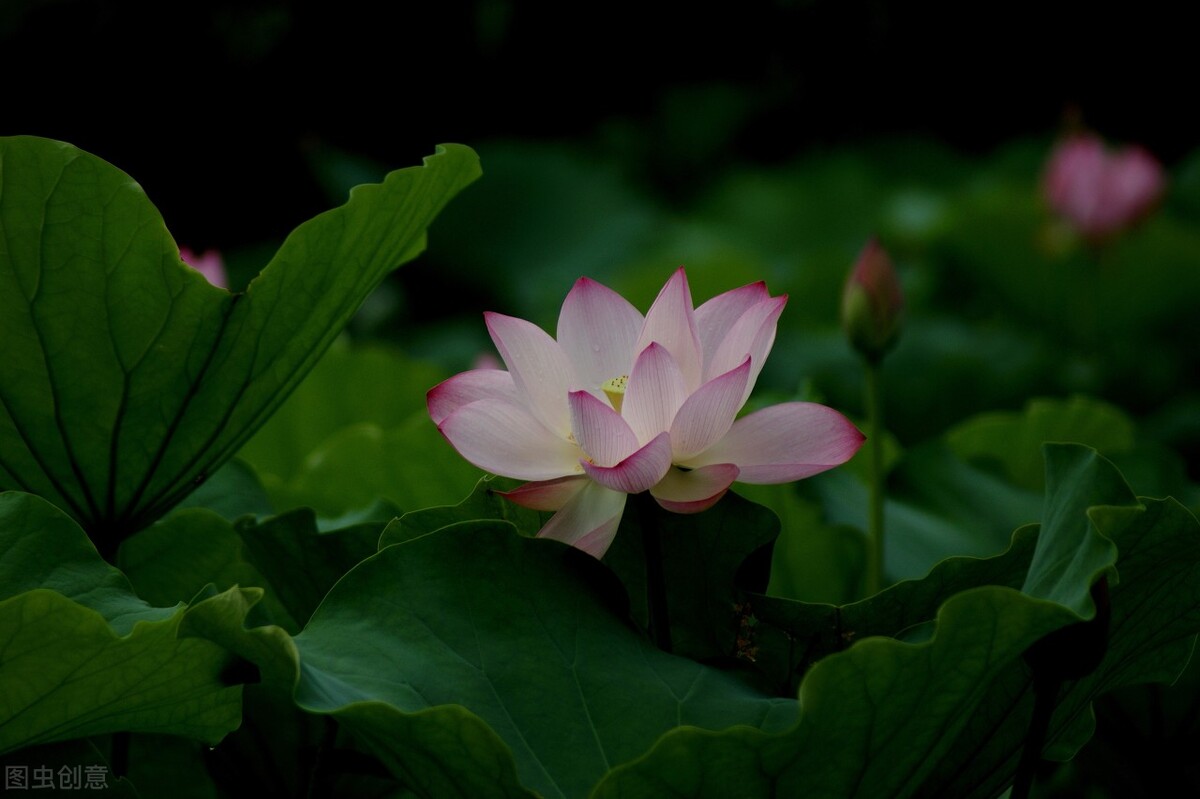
[[767, 141]]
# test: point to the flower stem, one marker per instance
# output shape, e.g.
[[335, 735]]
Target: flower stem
[[1044, 693], [321, 777], [658, 618], [875, 577]]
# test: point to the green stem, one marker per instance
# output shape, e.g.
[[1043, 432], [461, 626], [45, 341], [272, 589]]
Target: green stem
[[1045, 691], [658, 618], [875, 579], [321, 777], [118, 758]]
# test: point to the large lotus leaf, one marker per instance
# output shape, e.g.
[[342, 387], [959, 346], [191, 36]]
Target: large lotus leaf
[[477, 662], [947, 715], [484, 502], [296, 564], [233, 491], [127, 378], [174, 559], [70, 767], [706, 557], [81, 655]]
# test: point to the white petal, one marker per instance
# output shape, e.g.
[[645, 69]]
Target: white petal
[[693, 491], [752, 334], [604, 436], [671, 322], [597, 329], [545, 494], [503, 438], [589, 521], [784, 443], [715, 317], [639, 471], [655, 392], [450, 395], [707, 415], [538, 366]]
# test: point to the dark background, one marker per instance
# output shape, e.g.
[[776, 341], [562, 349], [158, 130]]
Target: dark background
[[214, 108]]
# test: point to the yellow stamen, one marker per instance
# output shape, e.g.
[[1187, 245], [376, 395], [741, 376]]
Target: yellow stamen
[[614, 389]]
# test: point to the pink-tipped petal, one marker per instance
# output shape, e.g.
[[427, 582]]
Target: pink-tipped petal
[[588, 521], [503, 438], [538, 366], [597, 329], [639, 471], [671, 321], [655, 392], [545, 494], [715, 317], [752, 334], [694, 490], [462, 389], [784, 443], [707, 415], [604, 436]]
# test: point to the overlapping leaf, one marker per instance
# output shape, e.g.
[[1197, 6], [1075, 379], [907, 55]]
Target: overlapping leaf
[[476, 662], [128, 378], [947, 716], [80, 654]]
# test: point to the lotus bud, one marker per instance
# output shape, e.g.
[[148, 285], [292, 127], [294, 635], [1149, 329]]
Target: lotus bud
[[872, 303]]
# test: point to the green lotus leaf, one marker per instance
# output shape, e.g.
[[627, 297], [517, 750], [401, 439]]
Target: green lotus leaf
[[128, 378], [933, 697], [81, 655]]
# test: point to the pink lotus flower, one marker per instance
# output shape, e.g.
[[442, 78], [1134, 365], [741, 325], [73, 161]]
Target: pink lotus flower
[[210, 264], [1101, 192], [622, 404]]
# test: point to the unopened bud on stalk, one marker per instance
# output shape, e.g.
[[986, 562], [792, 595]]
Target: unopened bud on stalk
[[872, 303]]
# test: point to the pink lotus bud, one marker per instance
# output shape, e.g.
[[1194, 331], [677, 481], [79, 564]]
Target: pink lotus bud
[[872, 303], [1101, 192], [210, 264]]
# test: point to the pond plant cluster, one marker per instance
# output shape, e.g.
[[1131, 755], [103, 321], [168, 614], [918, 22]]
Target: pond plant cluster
[[819, 514]]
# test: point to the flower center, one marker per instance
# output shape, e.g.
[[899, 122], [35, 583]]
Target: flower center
[[614, 389]]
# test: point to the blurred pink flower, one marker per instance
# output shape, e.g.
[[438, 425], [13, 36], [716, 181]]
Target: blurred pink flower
[[1098, 191], [620, 404], [210, 264]]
